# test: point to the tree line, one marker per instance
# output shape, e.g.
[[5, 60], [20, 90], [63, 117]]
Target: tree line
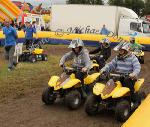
[[139, 6]]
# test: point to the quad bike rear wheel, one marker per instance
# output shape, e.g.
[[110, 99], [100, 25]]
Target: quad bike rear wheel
[[91, 105], [142, 60], [122, 111], [73, 99], [44, 57], [48, 97]]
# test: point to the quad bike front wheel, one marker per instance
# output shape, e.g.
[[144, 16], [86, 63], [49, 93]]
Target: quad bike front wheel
[[122, 111], [32, 59], [91, 105], [141, 96], [73, 99], [48, 97]]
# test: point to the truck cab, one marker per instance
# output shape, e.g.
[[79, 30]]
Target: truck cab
[[134, 27]]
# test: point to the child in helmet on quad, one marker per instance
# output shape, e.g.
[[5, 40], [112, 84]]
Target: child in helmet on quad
[[125, 63], [103, 51], [134, 45], [81, 58]]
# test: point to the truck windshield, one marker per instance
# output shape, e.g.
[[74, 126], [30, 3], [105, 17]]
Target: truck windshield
[[146, 27], [135, 26]]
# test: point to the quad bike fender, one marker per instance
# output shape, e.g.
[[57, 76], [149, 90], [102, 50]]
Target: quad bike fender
[[118, 83], [53, 81], [138, 84], [71, 83], [120, 92], [38, 51], [95, 65], [72, 76], [142, 53], [91, 78], [98, 88]]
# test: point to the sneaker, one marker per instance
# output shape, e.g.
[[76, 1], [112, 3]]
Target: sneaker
[[10, 69], [15, 64]]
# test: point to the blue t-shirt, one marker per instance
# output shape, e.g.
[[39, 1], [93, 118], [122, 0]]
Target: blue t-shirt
[[104, 31], [10, 36], [29, 32]]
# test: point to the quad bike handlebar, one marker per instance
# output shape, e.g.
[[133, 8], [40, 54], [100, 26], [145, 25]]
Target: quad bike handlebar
[[113, 75], [69, 70], [95, 56]]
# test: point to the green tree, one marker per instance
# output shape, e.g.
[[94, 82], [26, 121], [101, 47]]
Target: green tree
[[135, 5], [116, 2], [98, 2], [146, 10]]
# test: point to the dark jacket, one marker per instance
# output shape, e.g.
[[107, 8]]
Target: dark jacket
[[101, 50]]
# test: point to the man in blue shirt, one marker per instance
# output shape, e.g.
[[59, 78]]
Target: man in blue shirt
[[29, 30], [104, 31], [10, 43]]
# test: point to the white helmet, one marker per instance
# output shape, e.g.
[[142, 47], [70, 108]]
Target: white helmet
[[106, 42], [76, 43], [125, 46]]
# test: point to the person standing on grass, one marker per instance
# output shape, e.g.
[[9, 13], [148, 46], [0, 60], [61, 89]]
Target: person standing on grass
[[10, 43], [29, 30]]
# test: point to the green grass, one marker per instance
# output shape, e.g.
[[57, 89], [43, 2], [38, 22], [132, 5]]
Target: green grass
[[26, 76]]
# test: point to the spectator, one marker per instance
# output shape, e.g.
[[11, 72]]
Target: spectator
[[29, 30], [37, 26], [47, 25], [10, 43], [20, 26], [104, 31], [34, 24]]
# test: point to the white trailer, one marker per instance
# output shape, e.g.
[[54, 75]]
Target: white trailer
[[91, 18]]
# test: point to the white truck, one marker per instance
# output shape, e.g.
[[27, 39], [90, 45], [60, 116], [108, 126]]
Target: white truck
[[91, 18]]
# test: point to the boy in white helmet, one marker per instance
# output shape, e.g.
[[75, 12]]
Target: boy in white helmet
[[103, 51], [81, 58], [125, 63]]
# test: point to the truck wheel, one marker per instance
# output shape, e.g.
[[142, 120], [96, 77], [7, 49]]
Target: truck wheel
[[122, 111], [73, 99], [48, 97], [91, 105], [32, 59], [44, 57]]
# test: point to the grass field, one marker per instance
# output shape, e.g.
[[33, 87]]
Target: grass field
[[26, 75]]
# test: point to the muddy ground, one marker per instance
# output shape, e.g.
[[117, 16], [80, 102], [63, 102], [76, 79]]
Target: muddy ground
[[27, 110]]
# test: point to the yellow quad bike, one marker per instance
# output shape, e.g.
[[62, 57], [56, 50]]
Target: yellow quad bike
[[113, 96], [68, 87], [140, 55], [33, 54]]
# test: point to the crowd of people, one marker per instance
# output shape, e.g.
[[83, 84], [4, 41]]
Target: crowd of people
[[20, 26]]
